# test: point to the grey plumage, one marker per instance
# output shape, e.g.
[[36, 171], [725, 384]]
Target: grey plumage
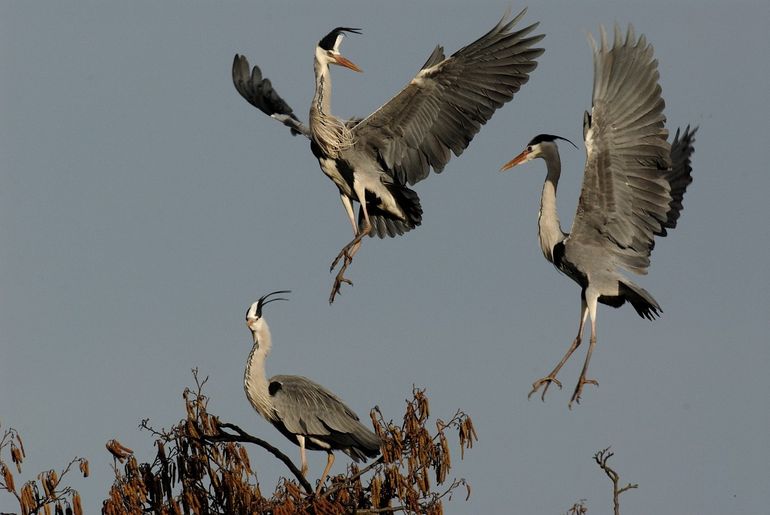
[[633, 185], [445, 105], [372, 161], [304, 407], [303, 411]]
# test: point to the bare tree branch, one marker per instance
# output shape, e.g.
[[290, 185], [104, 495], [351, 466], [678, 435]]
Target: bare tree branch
[[243, 437], [601, 458]]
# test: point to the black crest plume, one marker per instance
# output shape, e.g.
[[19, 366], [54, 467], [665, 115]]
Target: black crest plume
[[263, 300], [327, 43], [548, 137]]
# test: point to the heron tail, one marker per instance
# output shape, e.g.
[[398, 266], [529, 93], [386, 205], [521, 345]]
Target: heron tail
[[644, 304], [367, 445], [385, 223]]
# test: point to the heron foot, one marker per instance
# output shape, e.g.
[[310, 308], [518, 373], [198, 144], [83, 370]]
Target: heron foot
[[579, 389], [340, 278], [544, 381], [348, 251]]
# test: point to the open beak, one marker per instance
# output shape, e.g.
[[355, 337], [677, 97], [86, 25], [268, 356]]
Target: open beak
[[516, 160], [342, 61]]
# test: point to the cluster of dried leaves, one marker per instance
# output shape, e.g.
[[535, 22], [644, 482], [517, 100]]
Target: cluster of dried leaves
[[201, 466], [46, 494]]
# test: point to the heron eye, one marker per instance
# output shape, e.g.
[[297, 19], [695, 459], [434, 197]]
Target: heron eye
[[529, 148]]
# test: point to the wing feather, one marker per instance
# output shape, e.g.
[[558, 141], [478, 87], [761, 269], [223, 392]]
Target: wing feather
[[259, 92], [440, 111], [628, 194], [308, 408]]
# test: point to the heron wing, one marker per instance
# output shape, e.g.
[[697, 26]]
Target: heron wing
[[679, 176], [259, 92], [307, 408], [626, 196], [445, 105]]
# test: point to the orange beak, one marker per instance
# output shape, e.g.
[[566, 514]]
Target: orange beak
[[516, 160], [342, 61]]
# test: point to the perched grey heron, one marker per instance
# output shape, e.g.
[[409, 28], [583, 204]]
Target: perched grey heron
[[372, 160], [633, 185], [303, 411]]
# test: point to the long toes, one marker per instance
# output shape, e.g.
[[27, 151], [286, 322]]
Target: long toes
[[591, 381], [334, 263], [540, 382], [575, 398], [343, 253], [336, 287]]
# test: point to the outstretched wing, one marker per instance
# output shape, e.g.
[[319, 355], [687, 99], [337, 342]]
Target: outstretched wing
[[259, 92], [679, 176], [445, 105], [626, 196], [307, 408]]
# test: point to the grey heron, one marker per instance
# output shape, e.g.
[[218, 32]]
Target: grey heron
[[633, 185], [373, 160], [303, 411]]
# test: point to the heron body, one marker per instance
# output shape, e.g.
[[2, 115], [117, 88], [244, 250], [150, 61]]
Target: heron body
[[374, 160], [303, 411], [632, 191]]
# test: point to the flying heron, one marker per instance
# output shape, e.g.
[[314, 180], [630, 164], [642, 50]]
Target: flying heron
[[633, 185], [303, 411], [373, 160]]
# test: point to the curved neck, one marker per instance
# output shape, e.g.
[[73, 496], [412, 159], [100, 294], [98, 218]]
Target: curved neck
[[254, 379], [330, 134], [322, 98], [549, 227]]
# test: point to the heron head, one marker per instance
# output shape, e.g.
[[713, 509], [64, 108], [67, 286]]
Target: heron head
[[328, 50], [254, 313], [538, 146]]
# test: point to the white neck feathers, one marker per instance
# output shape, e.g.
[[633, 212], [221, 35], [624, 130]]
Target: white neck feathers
[[254, 379], [329, 132], [549, 227]]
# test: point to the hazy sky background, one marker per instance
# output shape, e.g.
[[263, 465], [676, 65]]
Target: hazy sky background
[[144, 205]]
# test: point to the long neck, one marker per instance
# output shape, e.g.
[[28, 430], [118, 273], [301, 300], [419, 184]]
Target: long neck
[[326, 130], [549, 228], [254, 379], [322, 99]]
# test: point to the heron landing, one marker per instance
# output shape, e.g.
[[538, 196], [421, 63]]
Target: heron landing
[[374, 160], [633, 185]]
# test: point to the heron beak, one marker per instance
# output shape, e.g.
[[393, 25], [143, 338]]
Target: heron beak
[[516, 160], [343, 61]]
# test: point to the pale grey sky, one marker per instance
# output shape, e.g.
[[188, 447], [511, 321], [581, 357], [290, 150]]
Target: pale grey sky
[[144, 205]]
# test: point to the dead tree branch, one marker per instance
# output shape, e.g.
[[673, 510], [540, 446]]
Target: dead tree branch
[[601, 458]]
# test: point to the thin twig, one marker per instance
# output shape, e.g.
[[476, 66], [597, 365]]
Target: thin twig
[[243, 436], [352, 479]]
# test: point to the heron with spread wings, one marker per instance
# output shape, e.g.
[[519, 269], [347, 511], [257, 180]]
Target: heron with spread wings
[[374, 160], [633, 186]]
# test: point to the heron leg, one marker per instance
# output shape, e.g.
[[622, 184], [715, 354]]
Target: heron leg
[[349, 250], [302, 457], [583, 379], [348, 205], [329, 461], [551, 378]]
